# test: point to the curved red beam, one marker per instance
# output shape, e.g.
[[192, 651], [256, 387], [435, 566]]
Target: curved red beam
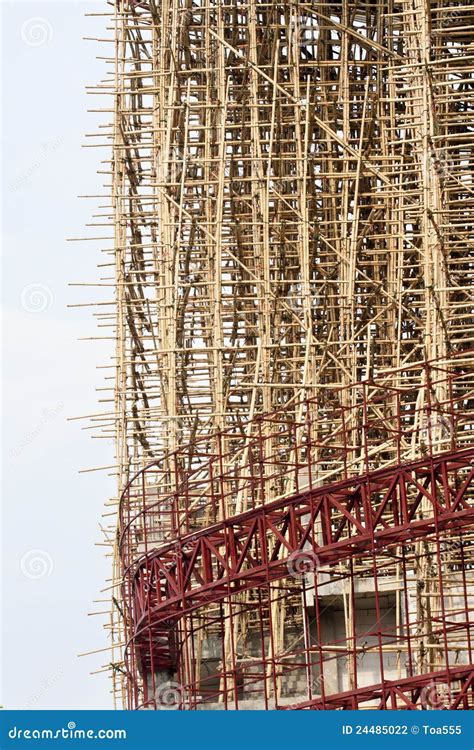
[[357, 517]]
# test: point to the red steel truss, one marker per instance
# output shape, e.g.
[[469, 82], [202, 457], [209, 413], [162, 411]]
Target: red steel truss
[[409, 694], [236, 560]]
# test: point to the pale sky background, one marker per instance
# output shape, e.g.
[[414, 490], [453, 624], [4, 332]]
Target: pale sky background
[[51, 569]]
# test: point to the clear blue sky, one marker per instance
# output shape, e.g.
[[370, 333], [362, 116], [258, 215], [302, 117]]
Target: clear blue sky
[[51, 569]]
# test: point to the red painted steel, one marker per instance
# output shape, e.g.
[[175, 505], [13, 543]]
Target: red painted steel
[[201, 568], [195, 569], [408, 694]]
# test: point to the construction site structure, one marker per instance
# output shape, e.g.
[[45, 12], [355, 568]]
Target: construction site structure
[[292, 200]]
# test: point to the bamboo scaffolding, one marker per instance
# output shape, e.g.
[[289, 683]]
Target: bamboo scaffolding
[[291, 203]]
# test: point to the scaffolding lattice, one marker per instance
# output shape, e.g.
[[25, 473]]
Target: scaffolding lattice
[[292, 204]]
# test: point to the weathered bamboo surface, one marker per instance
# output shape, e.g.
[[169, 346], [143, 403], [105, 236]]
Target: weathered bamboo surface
[[292, 193], [292, 207]]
